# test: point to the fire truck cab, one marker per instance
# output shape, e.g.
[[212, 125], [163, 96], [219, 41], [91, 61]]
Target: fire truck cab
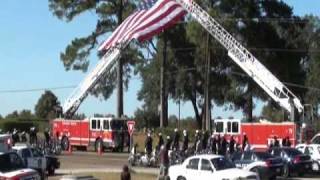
[[260, 134], [103, 132]]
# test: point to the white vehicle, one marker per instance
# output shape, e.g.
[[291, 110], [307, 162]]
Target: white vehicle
[[313, 150], [13, 168], [205, 167], [32, 158]]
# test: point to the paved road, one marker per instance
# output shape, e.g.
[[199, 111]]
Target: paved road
[[110, 162], [78, 160]]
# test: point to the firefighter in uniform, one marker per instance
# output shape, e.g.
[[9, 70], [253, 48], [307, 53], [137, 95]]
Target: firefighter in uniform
[[185, 141], [212, 144], [148, 144], [245, 141], [231, 145], [168, 143], [176, 138], [196, 138], [33, 136], [224, 144], [160, 142], [47, 137]]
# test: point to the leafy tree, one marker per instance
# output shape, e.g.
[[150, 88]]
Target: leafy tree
[[1, 117], [146, 118], [13, 115], [312, 35], [26, 114], [46, 104], [110, 14], [273, 114]]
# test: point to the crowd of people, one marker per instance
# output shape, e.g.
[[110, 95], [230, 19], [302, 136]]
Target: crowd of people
[[30, 137], [203, 143]]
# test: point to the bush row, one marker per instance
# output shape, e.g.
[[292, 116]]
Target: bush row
[[23, 124]]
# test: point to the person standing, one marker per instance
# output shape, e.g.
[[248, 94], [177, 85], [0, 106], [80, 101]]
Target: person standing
[[148, 144], [168, 143], [164, 162], [160, 141], [212, 144], [276, 142], [245, 141], [224, 145], [47, 137], [176, 139], [231, 145], [185, 141], [196, 138]]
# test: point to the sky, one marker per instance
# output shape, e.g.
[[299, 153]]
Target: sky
[[31, 41]]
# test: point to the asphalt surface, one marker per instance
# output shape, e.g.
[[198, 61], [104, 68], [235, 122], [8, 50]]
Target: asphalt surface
[[87, 162]]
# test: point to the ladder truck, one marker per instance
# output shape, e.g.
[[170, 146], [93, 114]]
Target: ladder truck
[[238, 53], [257, 71], [97, 132]]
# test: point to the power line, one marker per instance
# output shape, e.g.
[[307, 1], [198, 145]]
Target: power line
[[36, 89], [10, 91]]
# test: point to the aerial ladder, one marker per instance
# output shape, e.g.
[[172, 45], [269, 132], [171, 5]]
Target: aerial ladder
[[240, 55], [104, 66]]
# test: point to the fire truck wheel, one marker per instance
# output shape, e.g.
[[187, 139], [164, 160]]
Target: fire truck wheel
[[98, 144], [65, 143]]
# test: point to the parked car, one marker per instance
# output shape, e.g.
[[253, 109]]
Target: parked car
[[34, 158], [263, 163], [207, 167], [12, 167], [294, 161], [313, 150]]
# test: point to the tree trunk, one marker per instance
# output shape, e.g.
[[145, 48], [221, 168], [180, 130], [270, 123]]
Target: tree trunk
[[163, 92], [193, 99], [120, 71]]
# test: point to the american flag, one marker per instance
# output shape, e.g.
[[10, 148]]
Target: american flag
[[153, 18]]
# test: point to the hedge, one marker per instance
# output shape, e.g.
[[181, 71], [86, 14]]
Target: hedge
[[23, 124]]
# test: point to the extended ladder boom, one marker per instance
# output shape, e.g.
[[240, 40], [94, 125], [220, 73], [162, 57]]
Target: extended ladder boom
[[239, 54], [104, 65]]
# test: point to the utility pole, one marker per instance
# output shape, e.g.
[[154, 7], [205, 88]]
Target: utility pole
[[207, 124], [163, 91], [120, 71]]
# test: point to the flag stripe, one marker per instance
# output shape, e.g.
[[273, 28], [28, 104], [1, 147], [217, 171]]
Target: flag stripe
[[145, 35], [114, 34], [154, 21], [112, 39], [144, 24]]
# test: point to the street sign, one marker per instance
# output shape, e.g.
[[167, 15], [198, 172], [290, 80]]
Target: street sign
[[130, 125]]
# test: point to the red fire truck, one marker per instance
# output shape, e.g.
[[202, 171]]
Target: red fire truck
[[105, 132], [260, 134]]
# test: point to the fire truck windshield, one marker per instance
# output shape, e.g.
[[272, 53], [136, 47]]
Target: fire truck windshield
[[118, 124]]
